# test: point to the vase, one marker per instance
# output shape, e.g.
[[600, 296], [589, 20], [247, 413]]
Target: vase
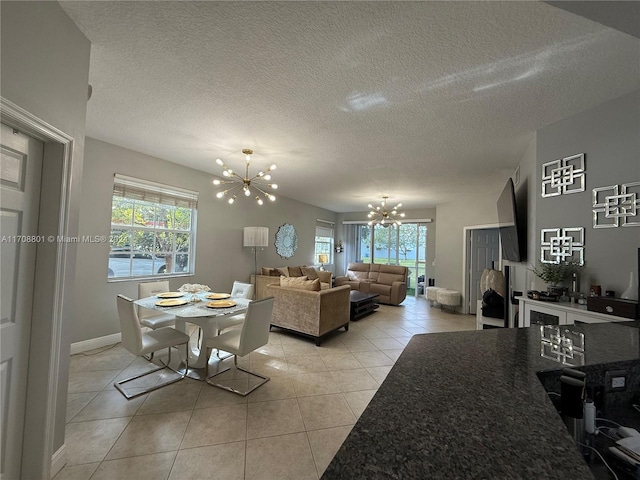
[[631, 293]]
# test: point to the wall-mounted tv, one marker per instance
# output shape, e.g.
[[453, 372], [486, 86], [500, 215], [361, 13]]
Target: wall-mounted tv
[[508, 224]]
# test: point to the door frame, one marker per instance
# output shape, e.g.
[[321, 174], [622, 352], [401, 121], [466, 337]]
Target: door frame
[[466, 258], [50, 288]]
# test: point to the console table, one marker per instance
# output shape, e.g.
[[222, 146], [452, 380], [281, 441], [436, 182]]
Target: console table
[[539, 312]]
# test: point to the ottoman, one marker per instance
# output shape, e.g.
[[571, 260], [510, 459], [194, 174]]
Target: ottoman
[[432, 294], [448, 298]]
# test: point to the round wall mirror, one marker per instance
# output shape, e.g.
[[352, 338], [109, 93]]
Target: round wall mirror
[[286, 241]]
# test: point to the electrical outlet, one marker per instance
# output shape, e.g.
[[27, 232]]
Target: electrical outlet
[[616, 380]]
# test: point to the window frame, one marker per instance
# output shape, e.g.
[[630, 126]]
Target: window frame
[[166, 201]]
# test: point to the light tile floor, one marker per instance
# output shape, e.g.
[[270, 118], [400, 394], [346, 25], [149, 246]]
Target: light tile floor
[[290, 428]]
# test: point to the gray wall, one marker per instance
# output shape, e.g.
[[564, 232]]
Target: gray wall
[[45, 70], [609, 135], [220, 256]]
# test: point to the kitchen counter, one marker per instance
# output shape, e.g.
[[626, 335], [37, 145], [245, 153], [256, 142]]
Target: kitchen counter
[[470, 405]]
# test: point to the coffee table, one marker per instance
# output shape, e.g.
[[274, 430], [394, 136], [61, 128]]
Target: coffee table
[[362, 304]]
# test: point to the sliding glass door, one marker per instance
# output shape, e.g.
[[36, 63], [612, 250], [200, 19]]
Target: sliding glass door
[[396, 245]]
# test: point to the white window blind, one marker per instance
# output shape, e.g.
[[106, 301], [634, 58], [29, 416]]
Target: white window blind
[[145, 190]]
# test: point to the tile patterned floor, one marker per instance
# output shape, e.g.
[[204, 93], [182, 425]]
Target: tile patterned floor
[[290, 428]]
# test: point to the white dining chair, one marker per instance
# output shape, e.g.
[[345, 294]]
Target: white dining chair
[[242, 341], [144, 343], [154, 318], [241, 290]]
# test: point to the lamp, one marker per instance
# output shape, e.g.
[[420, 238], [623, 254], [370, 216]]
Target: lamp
[[322, 259], [245, 183], [384, 217], [255, 237]]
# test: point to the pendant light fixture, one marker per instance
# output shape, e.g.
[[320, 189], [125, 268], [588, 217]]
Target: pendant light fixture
[[245, 183], [381, 216]]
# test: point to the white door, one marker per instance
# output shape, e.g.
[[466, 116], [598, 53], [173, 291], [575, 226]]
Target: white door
[[20, 172], [484, 253]]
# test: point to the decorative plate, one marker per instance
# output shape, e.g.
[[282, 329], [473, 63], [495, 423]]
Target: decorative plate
[[175, 302], [286, 241], [221, 304], [218, 296], [170, 295]]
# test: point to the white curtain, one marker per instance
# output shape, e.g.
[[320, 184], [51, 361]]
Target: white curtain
[[350, 246]]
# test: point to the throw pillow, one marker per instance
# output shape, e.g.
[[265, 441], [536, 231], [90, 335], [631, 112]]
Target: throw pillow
[[292, 282], [267, 271], [301, 283], [310, 272], [295, 272], [283, 271], [351, 276]]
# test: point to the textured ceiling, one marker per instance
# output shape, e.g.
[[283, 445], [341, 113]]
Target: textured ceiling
[[352, 100]]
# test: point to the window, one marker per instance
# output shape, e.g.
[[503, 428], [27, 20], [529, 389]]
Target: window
[[152, 229], [324, 242]]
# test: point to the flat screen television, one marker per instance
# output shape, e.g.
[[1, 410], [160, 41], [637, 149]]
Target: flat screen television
[[508, 224]]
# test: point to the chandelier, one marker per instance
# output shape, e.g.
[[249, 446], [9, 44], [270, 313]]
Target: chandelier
[[245, 184], [384, 217]]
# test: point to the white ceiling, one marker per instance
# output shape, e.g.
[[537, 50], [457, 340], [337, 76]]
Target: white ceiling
[[352, 100]]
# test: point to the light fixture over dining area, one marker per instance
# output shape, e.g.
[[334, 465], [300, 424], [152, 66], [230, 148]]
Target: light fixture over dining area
[[245, 184], [382, 216]]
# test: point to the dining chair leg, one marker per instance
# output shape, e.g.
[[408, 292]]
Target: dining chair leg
[[230, 389]]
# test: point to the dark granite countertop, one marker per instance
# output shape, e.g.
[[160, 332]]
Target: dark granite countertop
[[470, 405]]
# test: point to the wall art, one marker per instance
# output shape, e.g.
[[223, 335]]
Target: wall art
[[617, 205], [558, 245], [286, 240], [562, 176]]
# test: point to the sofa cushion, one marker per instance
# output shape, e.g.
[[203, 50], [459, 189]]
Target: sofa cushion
[[266, 270], [295, 271], [283, 271], [310, 272], [300, 282], [389, 278]]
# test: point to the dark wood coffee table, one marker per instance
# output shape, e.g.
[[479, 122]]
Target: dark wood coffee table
[[362, 304]]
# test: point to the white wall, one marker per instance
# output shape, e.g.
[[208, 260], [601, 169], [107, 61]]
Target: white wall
[[220, 257], [472, 208], [45, 70]]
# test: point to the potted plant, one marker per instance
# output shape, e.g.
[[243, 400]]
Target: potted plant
[[555, 273]]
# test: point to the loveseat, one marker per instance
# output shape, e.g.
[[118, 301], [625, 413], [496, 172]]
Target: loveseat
[[311, 313], [388, 281], [272, 275]]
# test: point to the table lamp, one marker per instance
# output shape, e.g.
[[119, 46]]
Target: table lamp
[[322, 259]]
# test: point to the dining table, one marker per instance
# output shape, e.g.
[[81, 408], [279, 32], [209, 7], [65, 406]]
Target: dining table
[[197, 309]]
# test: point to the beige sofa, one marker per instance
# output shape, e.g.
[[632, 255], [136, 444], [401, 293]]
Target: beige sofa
[[311, 313], [388, 281], [272, 275]]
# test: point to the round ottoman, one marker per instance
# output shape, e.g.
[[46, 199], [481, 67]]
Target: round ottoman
[[432, 294], [448, 298]]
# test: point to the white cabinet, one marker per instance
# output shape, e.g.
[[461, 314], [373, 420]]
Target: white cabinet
[[552, 313]]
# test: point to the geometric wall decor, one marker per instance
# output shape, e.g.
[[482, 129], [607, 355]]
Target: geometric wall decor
[[614, 207], [559, 245], [563, 176]]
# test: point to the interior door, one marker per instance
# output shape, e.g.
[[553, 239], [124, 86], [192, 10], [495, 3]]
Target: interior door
[[20, 172], [484, 253]]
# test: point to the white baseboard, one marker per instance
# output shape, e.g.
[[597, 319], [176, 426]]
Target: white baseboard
[[58, 460], [85, 345]]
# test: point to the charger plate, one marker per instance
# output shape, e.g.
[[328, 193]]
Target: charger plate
[[221, 304], [173, 302], [218, 296], [170, 295]]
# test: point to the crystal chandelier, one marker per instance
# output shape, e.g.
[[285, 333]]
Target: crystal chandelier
[[244, 184], [384, 217]]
